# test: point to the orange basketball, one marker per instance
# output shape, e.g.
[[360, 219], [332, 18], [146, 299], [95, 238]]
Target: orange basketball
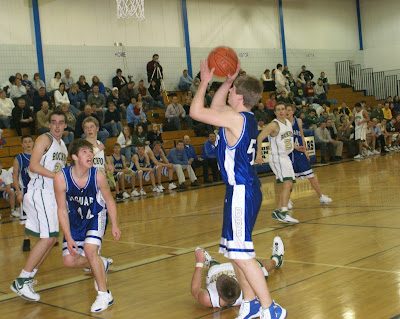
[[224, 60]]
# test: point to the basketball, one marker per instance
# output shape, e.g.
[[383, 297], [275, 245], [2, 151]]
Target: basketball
[[224, 60]]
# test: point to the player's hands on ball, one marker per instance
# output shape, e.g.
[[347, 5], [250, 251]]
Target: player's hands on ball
[[233, 77], [259, 160], [116, 233], [205, 73], [72, 247], [199, 255]]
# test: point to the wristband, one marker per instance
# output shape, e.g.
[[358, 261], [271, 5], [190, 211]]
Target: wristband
[[199, 265]]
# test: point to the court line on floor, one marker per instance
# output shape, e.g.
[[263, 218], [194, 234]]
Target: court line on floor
[[69, 310], [348, 225]]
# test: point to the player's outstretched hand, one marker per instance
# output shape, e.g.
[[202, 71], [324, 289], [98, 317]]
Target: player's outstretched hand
[[205, 73], [259, 160], [116, 233], [72, 247], [199, 255], [233, 77]]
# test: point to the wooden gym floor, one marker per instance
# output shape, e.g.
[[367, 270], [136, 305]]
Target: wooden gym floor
[[341, 261]]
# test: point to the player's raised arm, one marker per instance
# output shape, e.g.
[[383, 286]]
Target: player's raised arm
[[268, 130], [226, 117], [60, 189], [201, 295], [110, 203], [42, 144]]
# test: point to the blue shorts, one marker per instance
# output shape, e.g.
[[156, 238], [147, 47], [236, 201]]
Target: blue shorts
[[241, 208], [89, 231], [301, 165]]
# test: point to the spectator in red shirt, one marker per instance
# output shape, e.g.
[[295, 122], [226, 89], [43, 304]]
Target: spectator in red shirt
[[270, 104]]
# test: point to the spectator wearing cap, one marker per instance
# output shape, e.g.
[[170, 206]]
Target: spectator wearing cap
[[118, 101], [40, 96], [37, 83], [119, 80], [185, 81], [6, 107]]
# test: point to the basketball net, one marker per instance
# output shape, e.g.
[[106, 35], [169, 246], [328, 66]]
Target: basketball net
[[130, 9]]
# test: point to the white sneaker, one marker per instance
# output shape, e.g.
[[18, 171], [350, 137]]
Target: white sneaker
[[359, 156], [386, 149], [364, 152], [161, 187], [102, 302], [14, 213], [278, 250], [283, 217], [142, 192], [157, 190], [369, 153], [325, 199], [290, 204], [135, 193], [106, 266], [376, 152], [161, 190], [125, 195], [172, 186], [249, 309], [391, 148], [24, 288]]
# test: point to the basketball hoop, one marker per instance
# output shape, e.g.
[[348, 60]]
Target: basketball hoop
[[130, 9]]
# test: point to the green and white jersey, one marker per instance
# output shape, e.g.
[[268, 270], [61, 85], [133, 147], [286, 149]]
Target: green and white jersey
[[282, 143]]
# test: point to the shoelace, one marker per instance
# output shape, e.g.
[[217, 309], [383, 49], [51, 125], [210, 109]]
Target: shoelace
[[244, 308], [31, 283]]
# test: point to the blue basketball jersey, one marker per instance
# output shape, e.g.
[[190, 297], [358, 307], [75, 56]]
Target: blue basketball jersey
[[24, 160], [157, 157], [117, 162], [296, 133], [83, 203], [236, 162], [142, 163]]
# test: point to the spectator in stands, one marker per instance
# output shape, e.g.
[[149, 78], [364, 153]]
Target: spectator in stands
[[84, 87], [55, 83], [377, 113], [335, 116], [125, 140], [393, 135], [26, 83], [61, 96], [102, 134], [8, 84], [209, 97], [97, 98], [344, 109], [209, 153], [140, 138], [18, 90], [118, 102], [270, 104], [18, 76], [266, 76], [312, 120], [119, 80], [323, 141], [344, 135], [154, 70], [338, 145], [324, 117], [320, 92], [385, 134], [286, 72], [195, 85], [177, 156], [283, 98], [8, 193], [261, 114], [22, 116], [185, 81], [112, 120], [280, 80], [146, 97], [194, 160], [389, 99], [186, 107], [43, 117], [102, 89], [308, 76], [371, 139], [397, 123], [291, 81], [302, 80], [156, 95], [135, 114], [154, 134], [369, 111], [39, 97], [77, 99], [376, 129], [396, 102], [387, 113], [68, 80], [68, 135], [161, 165], [299, 97], [267, 81], [175, 114], [394, 113], [127, 92], [37, 83], [6, 107], [325, 82], [321, 108], [309, 92]]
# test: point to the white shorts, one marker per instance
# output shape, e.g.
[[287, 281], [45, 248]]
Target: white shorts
[[283, 168], [164, 170], [394, 137], [41, 211], [360, 134], [145, 176]]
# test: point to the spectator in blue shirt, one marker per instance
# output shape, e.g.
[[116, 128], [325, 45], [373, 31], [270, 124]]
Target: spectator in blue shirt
[[177, 156], [194, 160], [135, 115], [209, 153], [77, 99], [185, 81]]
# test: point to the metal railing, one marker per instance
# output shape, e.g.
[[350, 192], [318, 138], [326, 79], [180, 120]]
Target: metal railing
[[343, 72]]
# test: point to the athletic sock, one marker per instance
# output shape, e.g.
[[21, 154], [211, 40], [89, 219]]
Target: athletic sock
[[101, 292], [33, 273], [25, 274], [276, 260], [284, 210]]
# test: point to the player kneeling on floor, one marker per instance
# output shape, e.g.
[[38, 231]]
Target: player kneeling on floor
[[82, 195]]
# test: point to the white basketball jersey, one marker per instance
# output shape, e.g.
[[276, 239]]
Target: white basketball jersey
[[99, 158], [282, 144], [211, 282], [358, 117], [54, 159]]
